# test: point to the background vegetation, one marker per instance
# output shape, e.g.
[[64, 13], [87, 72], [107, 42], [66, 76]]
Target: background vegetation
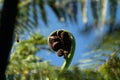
[[103, 61]]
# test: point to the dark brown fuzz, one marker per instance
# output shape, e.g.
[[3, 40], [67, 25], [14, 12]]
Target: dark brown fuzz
[[54, 34], [66, 41], [60, 42], [66, 54], [59, 33], [54, 43], [60, 52], [56, 46]]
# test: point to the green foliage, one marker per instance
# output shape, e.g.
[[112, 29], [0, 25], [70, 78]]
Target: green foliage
[[23, 60], [111, 69], [25, 65]]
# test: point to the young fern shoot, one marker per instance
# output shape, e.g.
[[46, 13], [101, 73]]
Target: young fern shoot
[[63, 42]]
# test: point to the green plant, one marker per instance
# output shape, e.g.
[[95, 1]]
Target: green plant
[[63, 42]]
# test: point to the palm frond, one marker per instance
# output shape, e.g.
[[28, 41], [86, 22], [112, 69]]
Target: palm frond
[[54, 8], [67, 10], [95, 11], [41, 4], [103, 8], [113, 10], [84, 10]]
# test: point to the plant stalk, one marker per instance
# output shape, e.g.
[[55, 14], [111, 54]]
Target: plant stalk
[[68, 60]]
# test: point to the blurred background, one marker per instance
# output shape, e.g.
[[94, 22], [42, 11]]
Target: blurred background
[[95, 25]]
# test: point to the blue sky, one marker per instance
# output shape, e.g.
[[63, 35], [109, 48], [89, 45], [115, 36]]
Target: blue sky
[[83, 41]]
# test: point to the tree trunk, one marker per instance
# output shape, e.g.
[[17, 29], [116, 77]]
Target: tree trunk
[[7, 22]]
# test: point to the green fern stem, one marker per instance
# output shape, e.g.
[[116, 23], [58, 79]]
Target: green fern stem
[[68, 60]]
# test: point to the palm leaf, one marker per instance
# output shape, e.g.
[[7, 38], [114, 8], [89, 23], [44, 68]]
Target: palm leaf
[[42, 11], [113, 10], [54, 8], [71, 7], [34, 10], [83, 4], [103, 8], [95, 11]]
